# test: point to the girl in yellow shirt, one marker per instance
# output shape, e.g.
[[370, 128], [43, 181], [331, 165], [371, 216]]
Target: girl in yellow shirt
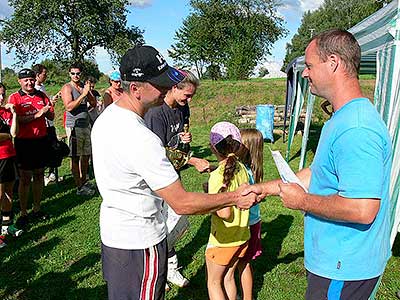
[[229, 226]]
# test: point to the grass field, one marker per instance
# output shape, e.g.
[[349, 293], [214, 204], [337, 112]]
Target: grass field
[[60, 258]]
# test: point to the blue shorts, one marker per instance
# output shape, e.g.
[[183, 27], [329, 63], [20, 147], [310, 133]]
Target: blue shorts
[[139, 274], [321, 288]]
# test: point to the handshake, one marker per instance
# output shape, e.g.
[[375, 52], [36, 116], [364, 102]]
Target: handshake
[[248, 195]]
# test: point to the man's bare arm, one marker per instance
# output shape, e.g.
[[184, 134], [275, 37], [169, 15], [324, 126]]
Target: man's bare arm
[[188, 203], [69, 102], [42, 112], [332, 207], [271, 188]]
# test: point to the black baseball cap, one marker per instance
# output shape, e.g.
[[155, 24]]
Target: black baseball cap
[[26, 73], [145, 63]]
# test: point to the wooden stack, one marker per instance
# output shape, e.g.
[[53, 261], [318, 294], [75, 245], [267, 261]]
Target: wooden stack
[[247, 115]]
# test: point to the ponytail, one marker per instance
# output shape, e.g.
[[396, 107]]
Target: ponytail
[[229, 171]]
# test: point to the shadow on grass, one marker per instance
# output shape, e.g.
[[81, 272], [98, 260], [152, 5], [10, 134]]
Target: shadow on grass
[[21, 267], [275, 233], [313, 138], [61, 197], [396, 246], [65, 284], [198, 284]]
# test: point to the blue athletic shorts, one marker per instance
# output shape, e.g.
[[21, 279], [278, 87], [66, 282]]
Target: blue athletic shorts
[[321, 288], [135, 274]]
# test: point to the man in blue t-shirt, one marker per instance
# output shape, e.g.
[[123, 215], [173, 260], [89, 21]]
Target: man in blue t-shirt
[[346, 226]]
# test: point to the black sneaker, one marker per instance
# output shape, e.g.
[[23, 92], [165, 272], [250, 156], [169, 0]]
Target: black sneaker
[[39, 216], [22, 222]]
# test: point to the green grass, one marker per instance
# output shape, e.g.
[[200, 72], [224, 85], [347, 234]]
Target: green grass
[[60, 258]]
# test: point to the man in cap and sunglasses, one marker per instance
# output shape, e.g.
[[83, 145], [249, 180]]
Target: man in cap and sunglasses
[[76, 97], [134, 177], [31, 144]]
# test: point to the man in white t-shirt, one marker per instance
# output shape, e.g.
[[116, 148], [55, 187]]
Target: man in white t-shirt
[[134, 176]]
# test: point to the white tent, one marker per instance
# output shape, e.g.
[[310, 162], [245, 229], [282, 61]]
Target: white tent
[[379, 38]]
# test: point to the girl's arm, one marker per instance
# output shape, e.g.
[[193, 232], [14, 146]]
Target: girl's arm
[[224, 213], [14, 122]]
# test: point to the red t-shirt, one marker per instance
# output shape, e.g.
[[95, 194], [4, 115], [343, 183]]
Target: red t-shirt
[[6, 147], [30, 104]]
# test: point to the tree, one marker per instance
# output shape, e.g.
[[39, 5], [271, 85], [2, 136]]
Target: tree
[[232, 35], [342, 14], [68, 29]]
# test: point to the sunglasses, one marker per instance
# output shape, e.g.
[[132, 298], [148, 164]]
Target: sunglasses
[[77, 73]]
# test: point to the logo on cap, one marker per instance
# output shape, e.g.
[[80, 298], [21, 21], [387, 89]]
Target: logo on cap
[[137, 72]]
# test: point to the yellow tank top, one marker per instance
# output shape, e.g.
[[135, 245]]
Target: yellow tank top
[[235, 231]]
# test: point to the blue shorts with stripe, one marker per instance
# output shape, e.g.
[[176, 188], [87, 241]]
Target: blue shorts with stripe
[[321, 288], [135, 274]]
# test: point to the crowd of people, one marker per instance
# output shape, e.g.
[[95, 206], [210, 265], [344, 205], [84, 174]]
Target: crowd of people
[[27, 133], [144, 205]]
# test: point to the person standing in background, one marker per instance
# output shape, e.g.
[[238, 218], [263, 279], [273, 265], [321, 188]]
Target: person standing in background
[[31, 144], [8, 169], [76, 97], [41, 77], [168, 122], [114, 92]]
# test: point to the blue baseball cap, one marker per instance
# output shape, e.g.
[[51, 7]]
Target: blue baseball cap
[[115, 76]]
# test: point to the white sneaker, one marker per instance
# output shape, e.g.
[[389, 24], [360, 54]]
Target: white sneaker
[[50, 178], [175, 277], [85, 191], [173, 274]]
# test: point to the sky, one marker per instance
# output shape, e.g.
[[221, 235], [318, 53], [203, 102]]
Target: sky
[[160, 19]]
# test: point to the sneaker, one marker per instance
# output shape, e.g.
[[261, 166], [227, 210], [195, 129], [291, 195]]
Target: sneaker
[[90, 185], [2, 242], [39, 216], [175, 277], [52, 177], [49, 179], [85, 191], [10, 230], [22, 222]]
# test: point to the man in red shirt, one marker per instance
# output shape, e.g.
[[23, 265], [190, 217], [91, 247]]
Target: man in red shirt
[[31, 143]]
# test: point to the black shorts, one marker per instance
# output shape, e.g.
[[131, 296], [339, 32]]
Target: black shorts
[[135, 274], [321, 288], [8, 170], [31, 153]]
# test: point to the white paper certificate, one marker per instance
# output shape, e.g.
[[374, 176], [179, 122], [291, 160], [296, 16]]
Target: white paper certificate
[[286, 173]]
